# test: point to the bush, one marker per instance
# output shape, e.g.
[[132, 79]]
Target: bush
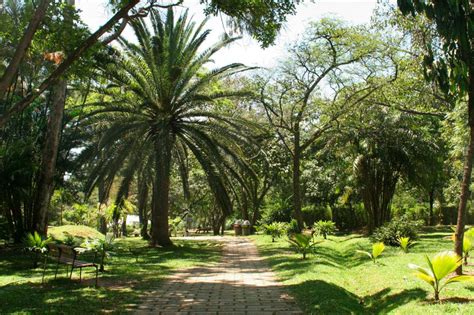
[[314, 213], [325, 228], [302, 243], [292, 228], [275, 229], [377, 250], [398, 227], [278, 211]]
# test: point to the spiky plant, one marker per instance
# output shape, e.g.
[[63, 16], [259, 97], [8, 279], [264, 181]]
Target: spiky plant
[[302, 243], [324, 228], [274, 229], [158, 108], [405, 243], [36, 244], [439, 267], [377, 249]]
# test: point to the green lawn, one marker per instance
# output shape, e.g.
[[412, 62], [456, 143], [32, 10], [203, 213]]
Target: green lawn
[[336, 280], [123, 283]]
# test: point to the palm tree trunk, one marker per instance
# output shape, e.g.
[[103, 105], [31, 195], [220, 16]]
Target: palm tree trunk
[[466, 181], [142, 202], [160, 232], [48, 161]]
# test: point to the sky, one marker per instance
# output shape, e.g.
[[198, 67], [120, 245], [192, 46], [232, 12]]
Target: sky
[[247, 50]]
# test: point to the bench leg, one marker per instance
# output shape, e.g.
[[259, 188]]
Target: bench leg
[[72, 268], [96, 275], [80, 274], [44, 269], [56, 272]]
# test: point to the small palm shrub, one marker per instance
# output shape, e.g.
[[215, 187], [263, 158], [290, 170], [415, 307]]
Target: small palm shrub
[[36, 244], [175, 225], [467, 242], [377, 250], [405, 243], [324, 228], [467, 245], [275, 229], [439, 267], [302, 243], [293, 228], [396, 228]]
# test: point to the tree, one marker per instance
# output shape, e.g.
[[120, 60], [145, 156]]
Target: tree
[[158, 93], [452, 68], [297, 103], [388, 147], [7, 79], [263, 19]]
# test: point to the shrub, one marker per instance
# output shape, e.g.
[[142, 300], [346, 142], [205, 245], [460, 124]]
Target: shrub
[[467, 245], [325, 228], [102, 247], [175, 225], [314, 213], [405, 243], [292, 228], [377, 250], [467, 242], [36, 244], [439, 267], [275, 229], [302, 243], [277, 211], [398, 227]]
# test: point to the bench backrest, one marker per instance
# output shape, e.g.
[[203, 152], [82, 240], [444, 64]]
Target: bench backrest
[[64, 251]]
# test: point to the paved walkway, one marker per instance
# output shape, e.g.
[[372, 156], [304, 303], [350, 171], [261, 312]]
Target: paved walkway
[[240, 284]]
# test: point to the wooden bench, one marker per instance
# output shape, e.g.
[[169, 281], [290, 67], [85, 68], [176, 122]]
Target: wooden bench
[[67, 255]]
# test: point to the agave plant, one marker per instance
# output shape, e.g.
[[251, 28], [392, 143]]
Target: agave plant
[[302, 243], [439, 267], [35, 243], [377, 249], [405, 243], [274, 229]]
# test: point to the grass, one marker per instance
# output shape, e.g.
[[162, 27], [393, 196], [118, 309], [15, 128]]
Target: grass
[[336, 280], [129, 274], [79, 231]]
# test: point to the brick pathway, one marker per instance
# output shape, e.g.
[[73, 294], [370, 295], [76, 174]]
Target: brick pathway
[[240, 284]]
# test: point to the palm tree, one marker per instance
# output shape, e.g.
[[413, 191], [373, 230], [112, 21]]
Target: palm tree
[[158, 106]]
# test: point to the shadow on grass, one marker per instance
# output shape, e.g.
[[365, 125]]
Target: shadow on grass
[[124, 282], [320, 297]]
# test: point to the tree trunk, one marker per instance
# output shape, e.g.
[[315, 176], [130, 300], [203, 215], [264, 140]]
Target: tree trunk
[[296, 181], [142, 203], [22, 47], [124, 226], [160, 234], [466, 181], [45, 185], [431, 219]]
